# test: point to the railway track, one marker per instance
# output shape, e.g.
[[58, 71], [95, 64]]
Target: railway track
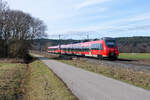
[[135, 65], [123, 63]]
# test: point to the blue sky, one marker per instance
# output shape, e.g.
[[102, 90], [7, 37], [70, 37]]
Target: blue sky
[[97, 18]]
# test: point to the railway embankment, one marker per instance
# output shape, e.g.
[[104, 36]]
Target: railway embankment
[[132, 73], [87, 85], [121, 63], [129, 75]]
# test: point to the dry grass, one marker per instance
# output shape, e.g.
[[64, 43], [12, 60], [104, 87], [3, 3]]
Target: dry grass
[[43, 84], [32, 81], [45, 54], [137, 78], [11, 76], [9, 60]]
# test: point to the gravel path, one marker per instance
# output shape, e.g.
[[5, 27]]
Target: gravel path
[[90, 86]]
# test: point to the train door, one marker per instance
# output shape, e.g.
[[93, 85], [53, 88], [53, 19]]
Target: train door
[[101, 52], [94, 49]]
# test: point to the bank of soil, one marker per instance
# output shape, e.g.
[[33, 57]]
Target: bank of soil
[[30, 80]]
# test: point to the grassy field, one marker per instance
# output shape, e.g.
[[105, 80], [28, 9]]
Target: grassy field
[[43, 84], [135, 56], [11, 80], [32, 81]]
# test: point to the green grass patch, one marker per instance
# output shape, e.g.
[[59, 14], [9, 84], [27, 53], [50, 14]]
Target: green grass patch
[[136, 78], [135, 56], [43, 84], [7, 65]]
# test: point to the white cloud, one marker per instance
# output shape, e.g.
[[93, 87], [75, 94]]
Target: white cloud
[[82, 16], [90, 2], [132, 23]]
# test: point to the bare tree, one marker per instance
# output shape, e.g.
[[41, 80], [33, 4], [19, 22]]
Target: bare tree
[[3, 6], [17, 29]]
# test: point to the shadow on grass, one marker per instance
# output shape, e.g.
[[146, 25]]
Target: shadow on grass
[[129, 60], [29, 59]]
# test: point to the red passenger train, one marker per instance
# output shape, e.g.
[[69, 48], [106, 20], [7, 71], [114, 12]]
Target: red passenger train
[[105, 47]]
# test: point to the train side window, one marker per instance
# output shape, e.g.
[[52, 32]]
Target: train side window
[[76, 49], [79, 49], [87, 49], [101, 46], [93, 46], [97, 46]]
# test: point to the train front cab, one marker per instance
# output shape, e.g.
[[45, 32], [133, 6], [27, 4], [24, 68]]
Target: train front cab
[[110, 48]]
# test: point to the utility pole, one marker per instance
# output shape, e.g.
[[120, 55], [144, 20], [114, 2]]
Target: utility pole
[[60, 44], [88, 37]]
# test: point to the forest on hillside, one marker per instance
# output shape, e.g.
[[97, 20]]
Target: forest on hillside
[[134, 44], [126, 44]]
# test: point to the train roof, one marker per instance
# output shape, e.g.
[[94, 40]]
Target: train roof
[[83, 44], [53, 47], [107, 38]]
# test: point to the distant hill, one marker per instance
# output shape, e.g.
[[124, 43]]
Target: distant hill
[[134, 44], [126, 44]]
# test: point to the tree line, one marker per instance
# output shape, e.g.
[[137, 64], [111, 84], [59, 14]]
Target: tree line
[[125, 44], [17, 30], [138, 44]]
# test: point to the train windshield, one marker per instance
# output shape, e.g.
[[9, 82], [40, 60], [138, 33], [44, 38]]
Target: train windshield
[[111, 43]]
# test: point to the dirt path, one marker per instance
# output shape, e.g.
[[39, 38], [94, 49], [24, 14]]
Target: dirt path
[[90, 86]]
